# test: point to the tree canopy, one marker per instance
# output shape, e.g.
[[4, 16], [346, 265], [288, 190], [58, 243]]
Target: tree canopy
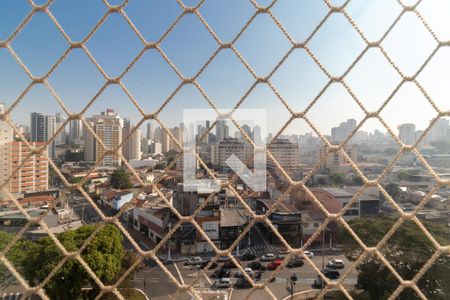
[[393, 190], [407, 251], [120, 179], [35, 260], [337, 178]]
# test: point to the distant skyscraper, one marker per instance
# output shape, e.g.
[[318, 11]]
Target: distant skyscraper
[[439, 131], [75, 130], [407, 133], [340, 133], [222, 130], [149, 133], [257, 139], [60, 138], [49, 133], [164, 141], [37, 127], [131, 148], [247, 130]]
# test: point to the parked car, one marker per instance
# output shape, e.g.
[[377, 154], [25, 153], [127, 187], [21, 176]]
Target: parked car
[[243, 283], [332, 274], [230, 264], [204, 263], [309, 254], [249, 272], [273, 265], [282, 250], [335, 264], [194, 261], [268, 257], [223, 259], [222, 273], [295, 262], [222, 283], [248, 256], [256, 265], [318, 283]]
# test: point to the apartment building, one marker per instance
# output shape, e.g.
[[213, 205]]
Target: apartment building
[[287, 155], [33, 173], [108, 127]]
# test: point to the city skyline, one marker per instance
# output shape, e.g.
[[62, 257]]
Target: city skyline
[[226, 80], [232, 133]]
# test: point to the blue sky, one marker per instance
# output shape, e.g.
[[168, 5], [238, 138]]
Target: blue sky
[[226, 80]]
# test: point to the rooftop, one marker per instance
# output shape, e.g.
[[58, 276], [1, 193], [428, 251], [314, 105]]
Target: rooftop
[[232, 217]]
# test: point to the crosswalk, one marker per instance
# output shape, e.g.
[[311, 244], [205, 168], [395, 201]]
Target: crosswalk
[[11, 296], [261, 248]]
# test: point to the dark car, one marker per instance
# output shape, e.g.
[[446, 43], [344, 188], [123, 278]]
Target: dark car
[[243, 283], [248, 256], [229, 264], [332, 274], [203, 265], [223, 259], [221, 273], [318, 283], [294, 263], [256, 265]]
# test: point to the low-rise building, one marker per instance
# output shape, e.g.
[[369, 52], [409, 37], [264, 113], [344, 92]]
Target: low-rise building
[[116, 199], [285, 217]]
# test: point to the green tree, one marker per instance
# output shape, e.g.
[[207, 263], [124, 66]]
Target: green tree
[[35, 260], [337, 178], [403, 175], [120, 179], [393, 190], [407, 251]]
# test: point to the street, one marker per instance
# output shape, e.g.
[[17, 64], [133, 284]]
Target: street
[[157, 285]]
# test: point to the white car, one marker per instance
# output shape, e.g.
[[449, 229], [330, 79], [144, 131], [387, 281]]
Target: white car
[[249, 271], [335, 264], [268, 257], [194, 261], [310, 254], [222, 283]]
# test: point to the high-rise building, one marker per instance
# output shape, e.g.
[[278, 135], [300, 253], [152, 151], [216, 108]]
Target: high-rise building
[[149, 133], [131, 148], [165, 141], [33, 173], [287, 155], [340, 133], [75, 131], [6, 132], [60, 138], [256, 134], [228, 147], [89, 141], [222, 130], [108, 127], [37, 127], [440, 130], [49, 133], [407, 133], [247, 131]]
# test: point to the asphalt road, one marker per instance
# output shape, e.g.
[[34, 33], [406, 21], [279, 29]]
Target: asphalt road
[[158, 285]]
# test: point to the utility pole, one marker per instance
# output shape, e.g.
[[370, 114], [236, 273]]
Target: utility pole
[[168, 249]]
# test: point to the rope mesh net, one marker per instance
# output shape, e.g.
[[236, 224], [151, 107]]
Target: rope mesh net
[[267, 80]]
